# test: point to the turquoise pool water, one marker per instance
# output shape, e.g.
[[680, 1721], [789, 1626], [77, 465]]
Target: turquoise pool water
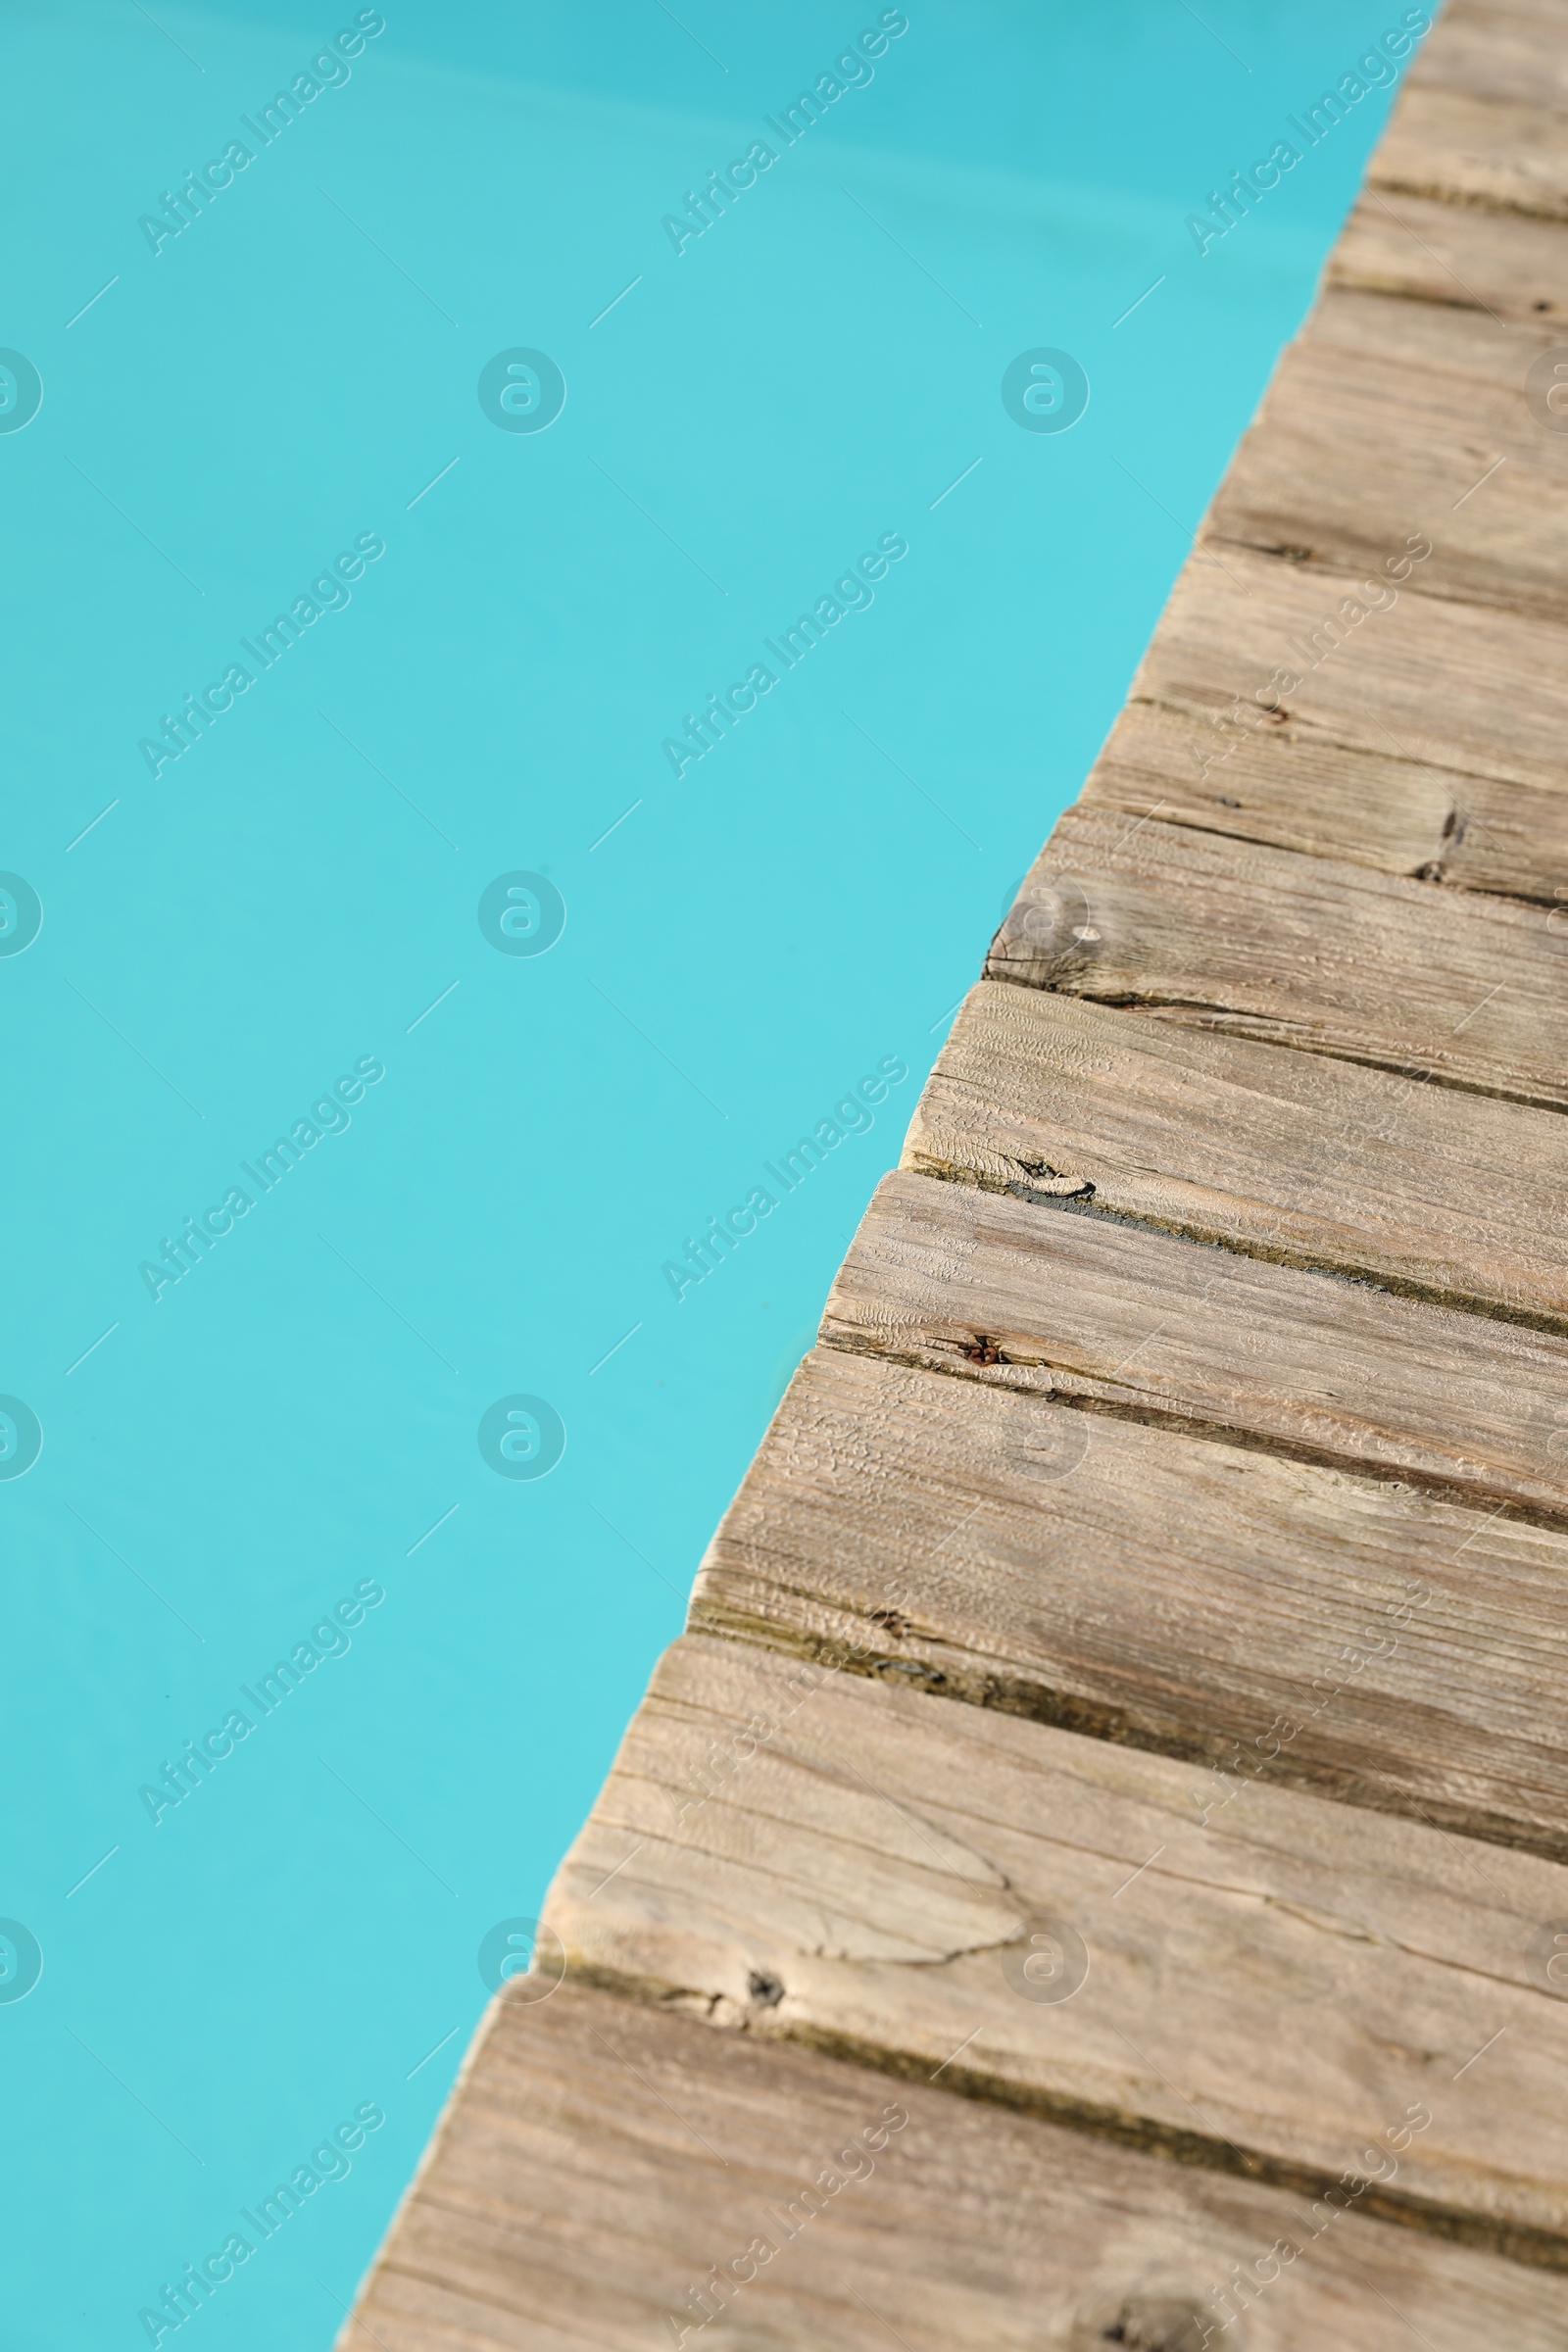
[[442, 886]]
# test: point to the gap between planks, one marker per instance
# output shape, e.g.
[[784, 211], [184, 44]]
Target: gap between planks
[[1181, 1594], [1058, 1302], [747, 1863], [1308, 953], [1290, 1157], [605, 2165]]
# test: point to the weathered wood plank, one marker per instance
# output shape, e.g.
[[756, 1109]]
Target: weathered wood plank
[[1385, 418], [1199, 1598], [1237, 771], [1282, 1156], [1452, 145], [1317, 955], [1252, 780], [1426, 736], [1500, 263], [602, 2161], [1468, 690], [1496, 49], [805, 1854], [946, 1278]]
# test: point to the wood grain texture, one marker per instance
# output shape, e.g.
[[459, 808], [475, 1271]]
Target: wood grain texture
[[1387, 418], [1282, 1156], [1310, 952], [808, 1855], [1457, 147], [944, 1277], [1237, 772], [1426, 736], [1509, 50], [1468, 692], [601, 2160], [1196, 1596], [1497, 263]]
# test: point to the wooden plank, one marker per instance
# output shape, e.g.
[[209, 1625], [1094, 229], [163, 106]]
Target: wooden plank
[[1509, 267], [602, 2161], [1237, 771], [1469, 692], [1264, 709], [1388, 418], [1508, 50], [1453, 145], [1285, 1156], [945, 1278], [813, 1856], [1317, 955], [1256, 781], [1191, 1595], [1483, 117]]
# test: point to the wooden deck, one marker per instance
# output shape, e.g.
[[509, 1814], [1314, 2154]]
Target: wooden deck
[[1095, 1870]]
